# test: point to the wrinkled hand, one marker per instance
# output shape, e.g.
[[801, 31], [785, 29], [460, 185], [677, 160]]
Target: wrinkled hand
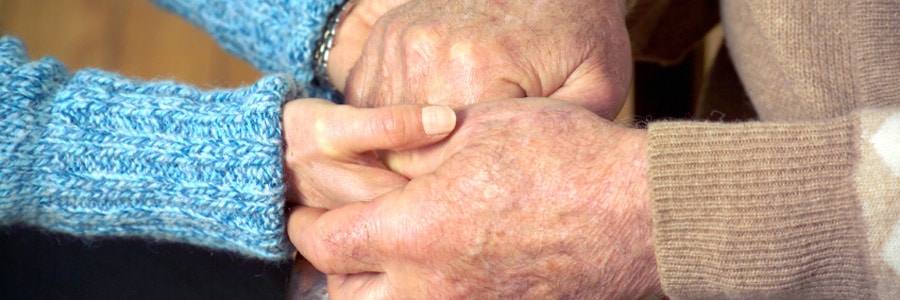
[[459, 52], [507, 207], [330, 149], [352, 34]]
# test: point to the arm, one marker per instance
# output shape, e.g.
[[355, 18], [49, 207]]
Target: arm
[[275, 36], [792, 210], [777, 210], [95, 154], [757, 210], [507, 207]]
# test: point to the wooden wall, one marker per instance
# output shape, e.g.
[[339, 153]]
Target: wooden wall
[[132, 37]]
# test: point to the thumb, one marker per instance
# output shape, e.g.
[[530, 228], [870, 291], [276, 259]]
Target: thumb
[[396, 128], [598, 92]]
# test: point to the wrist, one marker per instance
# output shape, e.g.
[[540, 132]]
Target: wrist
[[636, 200], [640, 183], [350, 38], [322, 56]]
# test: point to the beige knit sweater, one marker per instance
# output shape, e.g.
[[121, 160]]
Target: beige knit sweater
[[806, 202]]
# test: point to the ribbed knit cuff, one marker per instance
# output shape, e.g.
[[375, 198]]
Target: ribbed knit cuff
[[96, 154], [275, 36], [757, 210]]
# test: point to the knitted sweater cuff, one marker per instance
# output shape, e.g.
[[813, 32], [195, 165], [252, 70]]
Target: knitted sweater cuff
[[757, 210], [275, 36], [96, 154]]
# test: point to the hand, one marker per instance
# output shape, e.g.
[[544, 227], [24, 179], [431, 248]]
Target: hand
[[507, 207], [352, 33], [459, 52], [330, 149]]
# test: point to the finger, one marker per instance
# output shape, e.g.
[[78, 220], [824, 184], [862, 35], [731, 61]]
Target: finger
[[593, 92], [388, 128], [420, 161], [345, 240], [356, 84], [352, 36], [416, 162], [335, 186], [468, 76], [335, 282], [600, 83], [446, 91], [364, 77], [347, 49], [358, 286]]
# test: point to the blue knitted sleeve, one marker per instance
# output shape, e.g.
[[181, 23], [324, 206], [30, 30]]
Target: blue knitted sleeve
[[275, 36], [96, 154]]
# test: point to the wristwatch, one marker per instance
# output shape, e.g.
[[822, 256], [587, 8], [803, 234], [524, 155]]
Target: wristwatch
[[323, 46]]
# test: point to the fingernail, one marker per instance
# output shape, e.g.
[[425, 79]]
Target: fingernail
[[438, 120]]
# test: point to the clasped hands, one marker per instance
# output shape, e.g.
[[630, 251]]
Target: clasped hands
[[474, 159]]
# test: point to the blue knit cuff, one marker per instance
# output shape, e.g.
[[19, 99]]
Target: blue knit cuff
[[275, 36], [96, 154]]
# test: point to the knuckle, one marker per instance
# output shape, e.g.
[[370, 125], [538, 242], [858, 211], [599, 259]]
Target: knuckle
[[420, 44], [420, 48], [392, 125], [463, 54], [393, 30], [322, 137]]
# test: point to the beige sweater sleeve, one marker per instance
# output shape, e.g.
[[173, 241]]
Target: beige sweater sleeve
[[778, 210], [805, 204]]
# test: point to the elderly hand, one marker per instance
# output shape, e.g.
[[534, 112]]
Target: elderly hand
[[507, 207], [459, 52], [352, 33], [330, 149]]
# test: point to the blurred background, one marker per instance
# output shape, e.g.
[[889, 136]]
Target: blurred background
[[132, 37]]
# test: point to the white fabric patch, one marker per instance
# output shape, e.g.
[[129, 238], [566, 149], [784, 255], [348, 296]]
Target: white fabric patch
[[887, 143], [891, 251]]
